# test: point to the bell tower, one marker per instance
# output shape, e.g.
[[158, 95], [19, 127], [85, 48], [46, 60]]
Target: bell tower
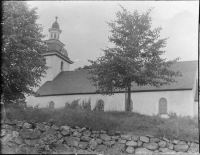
[[57, 56]]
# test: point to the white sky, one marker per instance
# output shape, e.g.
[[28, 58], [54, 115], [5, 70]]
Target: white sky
[[85, 32]]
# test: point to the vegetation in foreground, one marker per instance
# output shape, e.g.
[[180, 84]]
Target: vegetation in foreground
[[175, 127]]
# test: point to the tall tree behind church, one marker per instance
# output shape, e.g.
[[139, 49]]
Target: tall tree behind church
[[136, 56], [22, 48]]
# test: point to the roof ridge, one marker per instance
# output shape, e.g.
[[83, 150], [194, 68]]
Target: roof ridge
[[77, 70], [91, 69]]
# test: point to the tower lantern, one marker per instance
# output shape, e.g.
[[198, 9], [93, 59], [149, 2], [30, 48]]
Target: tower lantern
[[55, 30]]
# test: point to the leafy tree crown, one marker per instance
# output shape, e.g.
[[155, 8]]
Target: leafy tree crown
[[22, 47], [136, 56]]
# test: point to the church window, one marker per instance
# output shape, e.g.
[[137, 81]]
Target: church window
[[162, 106], [51, 35], [54, 35], [99, 105], [61, 66], [51, 105]]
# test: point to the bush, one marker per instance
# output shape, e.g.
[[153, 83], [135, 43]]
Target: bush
[[73, 105], [67, 105], [172, 115], [184, 128], [86, 105], [99, 105], [16, 109]]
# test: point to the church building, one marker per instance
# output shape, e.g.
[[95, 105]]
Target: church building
[[61, 85]]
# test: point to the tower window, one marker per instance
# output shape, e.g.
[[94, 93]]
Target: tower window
[[51, 35], [61, 66], [54, 35]]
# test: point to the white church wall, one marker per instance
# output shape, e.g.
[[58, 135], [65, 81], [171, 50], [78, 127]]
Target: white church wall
[[57, 65], [143, 102], [195, 109], [195, 83], [195, 87], [55, 69], [177, 101]]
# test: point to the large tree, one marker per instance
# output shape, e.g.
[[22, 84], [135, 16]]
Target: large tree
[[136, 56], [22, 49]]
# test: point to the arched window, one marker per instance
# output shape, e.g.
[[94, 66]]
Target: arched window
[[162, 106], [54, 35], [127, 107], [99, 105], [61, 66], [51, 35], [51, 105]]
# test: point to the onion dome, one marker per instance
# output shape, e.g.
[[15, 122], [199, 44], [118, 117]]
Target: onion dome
[[55, 24], [64, 52]]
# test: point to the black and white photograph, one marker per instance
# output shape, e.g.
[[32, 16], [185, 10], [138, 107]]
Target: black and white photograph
[[100, 77]]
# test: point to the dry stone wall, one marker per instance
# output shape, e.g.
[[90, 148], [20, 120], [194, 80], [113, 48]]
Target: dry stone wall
[[46, 138]]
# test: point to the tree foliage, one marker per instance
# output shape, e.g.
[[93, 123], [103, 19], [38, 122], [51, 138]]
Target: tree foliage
[[22, 49], [136, 56]]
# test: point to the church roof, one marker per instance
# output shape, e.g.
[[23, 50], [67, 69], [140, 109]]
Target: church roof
[[77, 82]]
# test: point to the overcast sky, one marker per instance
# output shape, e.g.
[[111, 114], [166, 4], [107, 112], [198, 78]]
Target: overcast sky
[[85, 32]]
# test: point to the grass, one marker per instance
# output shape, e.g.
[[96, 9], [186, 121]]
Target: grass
[[176, 127]]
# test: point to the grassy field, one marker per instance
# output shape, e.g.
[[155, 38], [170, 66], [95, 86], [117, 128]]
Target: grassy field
[[176, 127]]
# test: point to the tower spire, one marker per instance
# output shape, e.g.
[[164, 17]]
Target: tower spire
[[56, 18]]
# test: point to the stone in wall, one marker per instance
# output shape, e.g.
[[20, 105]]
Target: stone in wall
[[130, 149], [126, 137], [131, 143], [144, 139], [151, 146], [105, 137], [181, 147]]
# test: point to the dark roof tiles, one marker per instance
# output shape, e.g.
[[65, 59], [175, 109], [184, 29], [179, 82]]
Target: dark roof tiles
[[77, 82]]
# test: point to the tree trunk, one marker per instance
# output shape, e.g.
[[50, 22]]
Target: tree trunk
[[129, 98], [126, 98]]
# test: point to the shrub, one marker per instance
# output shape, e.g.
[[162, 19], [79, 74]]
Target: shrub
[[16, 109], [99, 105], [19, 104], [86, 105], [184, 128], [74, 104], [67, 105], [172, 115], [157, 119]]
